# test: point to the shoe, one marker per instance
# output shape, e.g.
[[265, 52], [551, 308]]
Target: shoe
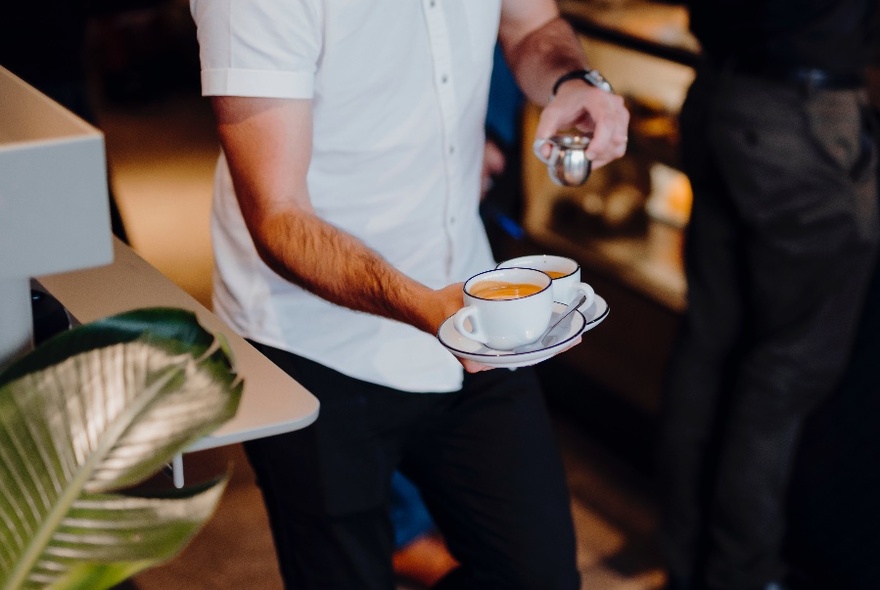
[[424, 561]]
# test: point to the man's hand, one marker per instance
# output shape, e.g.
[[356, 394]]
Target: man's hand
[[592, 111], [473, 366], [540, 46], [449, 300]]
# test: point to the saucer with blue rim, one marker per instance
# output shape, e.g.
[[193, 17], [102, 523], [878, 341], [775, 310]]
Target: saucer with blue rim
[[466, 348], [583, 320], [595, 313]]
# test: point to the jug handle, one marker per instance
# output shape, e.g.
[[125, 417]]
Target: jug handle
[[538, 147]]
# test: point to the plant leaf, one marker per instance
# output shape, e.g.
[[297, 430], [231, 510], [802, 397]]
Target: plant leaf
[[123, 529], [171, 327], [137, 390]]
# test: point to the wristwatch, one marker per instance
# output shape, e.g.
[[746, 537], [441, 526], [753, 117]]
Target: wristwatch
[[591, 77]]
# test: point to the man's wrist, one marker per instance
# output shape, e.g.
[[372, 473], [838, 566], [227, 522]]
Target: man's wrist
[[589, 76]]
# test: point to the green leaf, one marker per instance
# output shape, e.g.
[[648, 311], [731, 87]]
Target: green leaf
[[171, 327], [94, 411]]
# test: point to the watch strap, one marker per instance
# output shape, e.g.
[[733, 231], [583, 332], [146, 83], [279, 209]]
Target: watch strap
[[591, 77]]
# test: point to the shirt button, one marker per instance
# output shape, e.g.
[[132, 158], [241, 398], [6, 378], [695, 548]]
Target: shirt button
[[431, 3], [452, 221], [452, 149], [444, 78]]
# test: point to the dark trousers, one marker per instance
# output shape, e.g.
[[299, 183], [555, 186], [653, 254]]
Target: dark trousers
[[778, 254], [836, 481], [484, 459]]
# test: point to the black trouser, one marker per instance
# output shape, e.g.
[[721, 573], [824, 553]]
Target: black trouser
[[778, 253], [484, 459], [836, 480]]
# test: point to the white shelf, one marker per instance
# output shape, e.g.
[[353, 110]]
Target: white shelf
[[272, 402]]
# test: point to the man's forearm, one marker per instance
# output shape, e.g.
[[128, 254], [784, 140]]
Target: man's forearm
[[267, 144], [541, 57], [338, 267]]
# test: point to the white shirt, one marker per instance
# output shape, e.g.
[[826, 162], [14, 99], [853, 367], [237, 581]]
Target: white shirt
[[399, 91]]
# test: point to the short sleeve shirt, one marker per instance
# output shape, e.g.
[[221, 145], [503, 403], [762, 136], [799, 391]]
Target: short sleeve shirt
[[399, 93]]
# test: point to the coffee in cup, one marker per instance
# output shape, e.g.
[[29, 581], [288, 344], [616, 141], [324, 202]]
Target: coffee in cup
[[503, 290], [565, 273], [506, 308]]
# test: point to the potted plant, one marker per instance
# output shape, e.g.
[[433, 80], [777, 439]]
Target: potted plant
[[85, 419]]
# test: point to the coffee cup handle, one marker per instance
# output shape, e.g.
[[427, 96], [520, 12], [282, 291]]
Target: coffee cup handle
[[588, 292], [538, 147], [475, 333]]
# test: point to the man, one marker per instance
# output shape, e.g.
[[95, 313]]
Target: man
[[777, 142], [345, 218]]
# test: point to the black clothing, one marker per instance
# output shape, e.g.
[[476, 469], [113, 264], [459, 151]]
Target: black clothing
[[833, 538], [778, 255], [838, 36], [439, 441]]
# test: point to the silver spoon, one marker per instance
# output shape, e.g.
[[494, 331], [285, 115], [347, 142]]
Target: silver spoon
[[547, 338]]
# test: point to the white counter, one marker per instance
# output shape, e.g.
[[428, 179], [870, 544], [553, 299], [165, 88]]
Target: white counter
[[271, 403]]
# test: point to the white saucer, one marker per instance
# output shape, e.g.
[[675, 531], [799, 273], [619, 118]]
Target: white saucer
[[594, 314], [463, 347]]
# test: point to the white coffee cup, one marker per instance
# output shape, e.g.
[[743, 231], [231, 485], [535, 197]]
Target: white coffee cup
[[565, 272], [506, 308]]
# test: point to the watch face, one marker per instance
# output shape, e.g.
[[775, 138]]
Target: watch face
[[596, 79]]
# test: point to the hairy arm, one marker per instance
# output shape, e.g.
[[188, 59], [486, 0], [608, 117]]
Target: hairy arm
[[268, 144], [540, 46]]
